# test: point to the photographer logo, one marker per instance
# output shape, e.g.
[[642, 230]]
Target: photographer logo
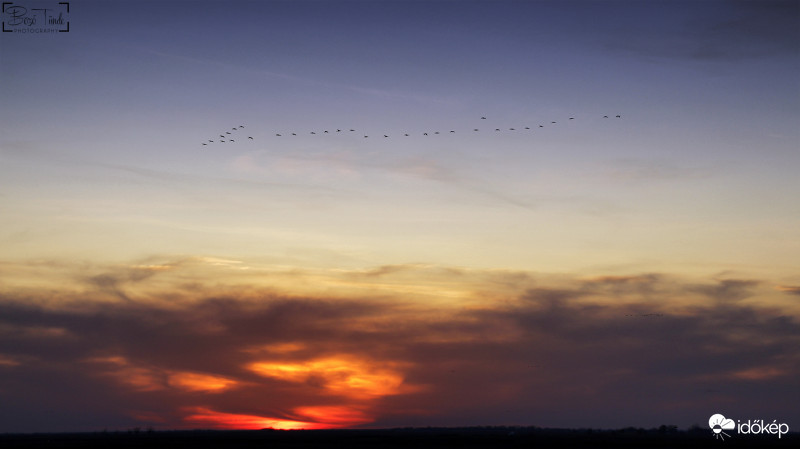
[[25, 18]]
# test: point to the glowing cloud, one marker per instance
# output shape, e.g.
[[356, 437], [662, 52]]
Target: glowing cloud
[[760, 373], [334, 415], [135, 377], [144, 378], [8, 361], [341, 375], [196, 382]]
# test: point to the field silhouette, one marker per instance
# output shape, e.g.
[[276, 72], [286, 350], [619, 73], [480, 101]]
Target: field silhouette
[[459, 437]]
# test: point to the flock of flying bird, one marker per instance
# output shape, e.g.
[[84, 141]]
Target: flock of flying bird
[[227, 136]]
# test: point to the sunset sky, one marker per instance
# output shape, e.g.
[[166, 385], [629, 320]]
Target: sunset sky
[[627, 255]]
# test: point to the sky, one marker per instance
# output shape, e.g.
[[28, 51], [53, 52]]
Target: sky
[[591, 222]]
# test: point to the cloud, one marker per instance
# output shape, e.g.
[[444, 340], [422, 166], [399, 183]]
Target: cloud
[[388, 269], [526, 348], [183, 181], [346, 164], [636, 171], [727, 290], [789, 289]]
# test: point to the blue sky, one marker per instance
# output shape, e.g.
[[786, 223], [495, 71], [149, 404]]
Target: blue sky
[[693, 188]]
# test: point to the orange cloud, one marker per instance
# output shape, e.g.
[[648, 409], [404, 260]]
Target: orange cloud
[[790, 289], [335, 415], [8, 361], [196, 382], [143, 378], [759, 373], [340, 375], [135, 377]]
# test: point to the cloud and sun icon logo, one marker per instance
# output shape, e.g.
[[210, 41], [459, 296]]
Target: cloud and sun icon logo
[[718, 424]]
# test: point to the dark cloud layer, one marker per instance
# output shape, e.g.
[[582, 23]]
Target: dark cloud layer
[[607, 351]]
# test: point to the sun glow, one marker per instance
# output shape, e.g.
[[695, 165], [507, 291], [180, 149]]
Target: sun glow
[[206, 417]]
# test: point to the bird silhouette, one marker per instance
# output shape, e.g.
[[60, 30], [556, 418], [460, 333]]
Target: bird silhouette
[[205, 144], [483, 118], [618, 116], [233, 140], [552, 122], [405, 135], [227, 132], [511, 129], [541, 126], [234, 129], [475, 129], [250, 138], [338, 130], [241, 126], [424, 134], [352, 130], [221, 135], [497, 129], [437, 132], [326, 132], [452, 131], [527, 127], [605, 116], [278, 135], [385, 135], [211, 141], [294, 134], [572, 118]]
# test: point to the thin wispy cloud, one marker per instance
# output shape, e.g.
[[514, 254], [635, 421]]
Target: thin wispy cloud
[[642, 171], [789, 289], [375, 92], [351, 165]]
